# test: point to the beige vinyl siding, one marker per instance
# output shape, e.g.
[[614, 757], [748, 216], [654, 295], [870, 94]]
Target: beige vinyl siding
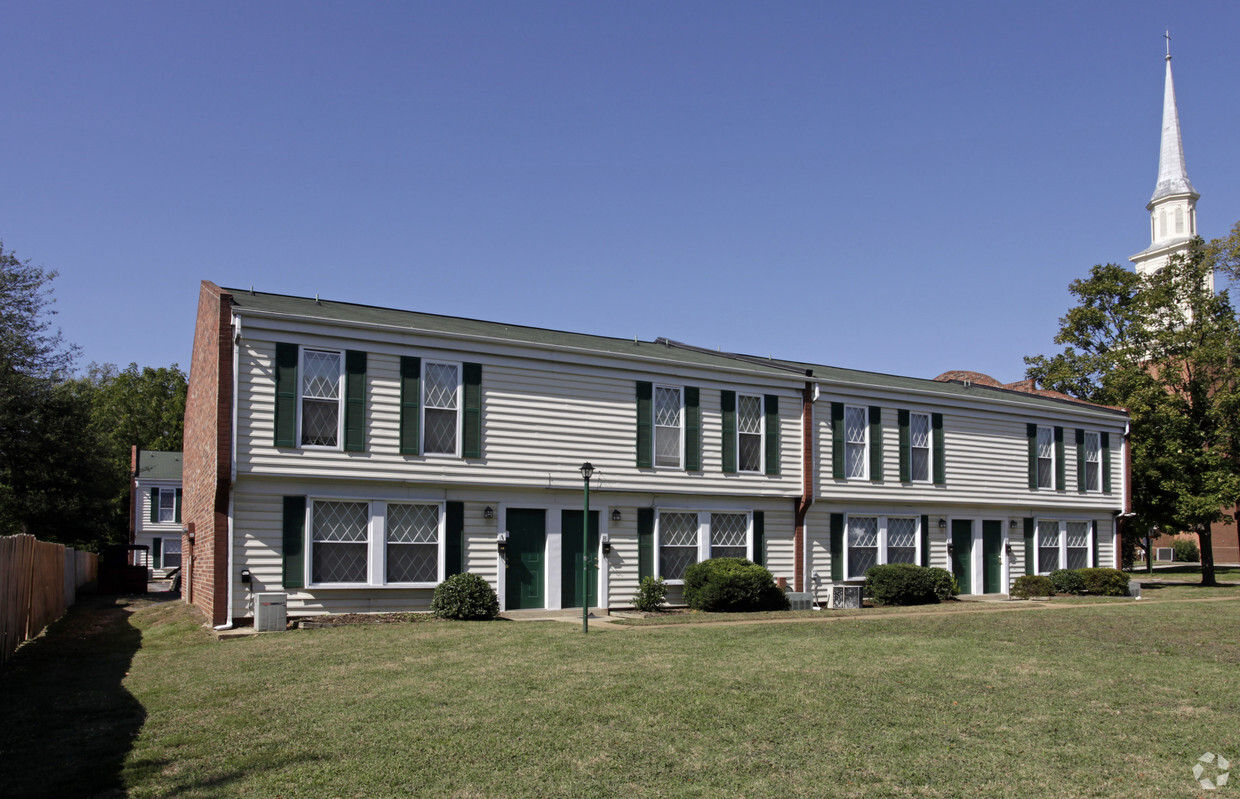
[[143, 499], [780, 545], [481, 550], [622, 576]]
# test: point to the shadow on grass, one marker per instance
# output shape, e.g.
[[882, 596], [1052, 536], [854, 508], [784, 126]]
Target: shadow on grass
[[67, 721]]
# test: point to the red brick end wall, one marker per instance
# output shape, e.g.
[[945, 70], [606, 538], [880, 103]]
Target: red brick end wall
[[208, 455]]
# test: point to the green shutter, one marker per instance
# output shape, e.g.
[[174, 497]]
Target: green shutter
[[906, 458], [759, 538], [770, 404], [454, 546], [471, 374], [693, 430], [1031, 433], [1080, 459], [876, 442], [1104, 440], [727, 404], [157, 553], [1094, 543], [410, 403], [177, 508], [354, 401], [645, 542], [154, 505], [294, 542], [925, 540], [940, 449], [645, 428], [1029, 553], [286, 395], [837, 546], [837, 440], [1060, 471]]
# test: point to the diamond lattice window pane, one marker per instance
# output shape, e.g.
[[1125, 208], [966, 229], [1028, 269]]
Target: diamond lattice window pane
[[1078, 534], [920, 464], [919, 430], [341, 521], [860, 559], [1046, 442], [1091, 476], [1077, 558], [1092, 446], [901, 533], [1045, 466], [674, 560], [440, 434], [749, 414], [320, 422], [729, 530], [678, 529], [339, 563], [412, 524], [667, 446], [855, 457], [412, 563], [750, 454], [441, 384], [1048, 559], [901, 554], [863, 531], [667, 407], [1048, 533], [322, 374], [728, 552], [855, 423]]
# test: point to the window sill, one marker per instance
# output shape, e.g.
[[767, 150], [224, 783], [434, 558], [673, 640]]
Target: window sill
[[367, 586]]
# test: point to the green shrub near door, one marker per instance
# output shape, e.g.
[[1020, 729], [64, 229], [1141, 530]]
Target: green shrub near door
[[466, 597], [908, 584], [732, 585]]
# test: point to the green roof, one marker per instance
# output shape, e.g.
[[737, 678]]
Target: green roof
[[153, 465], [345, 312]]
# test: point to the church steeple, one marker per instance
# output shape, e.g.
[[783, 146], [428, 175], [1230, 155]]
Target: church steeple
[[1173, 208]]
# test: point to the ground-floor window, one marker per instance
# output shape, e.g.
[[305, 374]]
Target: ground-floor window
[[375, 543], [875, 540], [687, 537], [171, 553], [1063, 544]]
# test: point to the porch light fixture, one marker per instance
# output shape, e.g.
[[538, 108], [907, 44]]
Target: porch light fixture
[[487, 513], [1012, 524], [615, 515], [587, 471], [942, 524]]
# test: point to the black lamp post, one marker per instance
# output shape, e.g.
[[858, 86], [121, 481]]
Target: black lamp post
[[587, 471]]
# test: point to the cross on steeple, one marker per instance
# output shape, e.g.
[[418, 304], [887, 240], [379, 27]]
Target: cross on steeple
[[1167, 36]]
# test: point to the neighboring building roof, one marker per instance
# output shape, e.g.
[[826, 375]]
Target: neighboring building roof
[[154, 465]]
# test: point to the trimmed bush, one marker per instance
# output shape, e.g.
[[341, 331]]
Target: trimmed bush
[[1186, 550], [1027, 586], [1104, 582], [732, 585], [650, 594], [466, 597], [1067, 581], [907, 584]]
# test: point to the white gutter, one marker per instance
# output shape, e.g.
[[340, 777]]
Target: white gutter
[[232, 470]]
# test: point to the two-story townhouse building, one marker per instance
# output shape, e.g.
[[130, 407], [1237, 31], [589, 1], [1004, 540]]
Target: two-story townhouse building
[[155, 507], [354, 457]]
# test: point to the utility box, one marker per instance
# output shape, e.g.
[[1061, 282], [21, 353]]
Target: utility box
[[846, 596], [800, 600], [270, 612]]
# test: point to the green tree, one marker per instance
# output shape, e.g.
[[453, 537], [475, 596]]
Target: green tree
[[1167, 348]]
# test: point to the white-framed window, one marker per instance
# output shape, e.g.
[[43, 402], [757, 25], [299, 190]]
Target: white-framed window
[[1093, 461], [686, 537], [668, 426], [167, 505], [919, 447], [376, 543], [749, 430], [441, 404], [1063, 544], [171, 552], [320, 418], [856, 441], [1046, 457], [876, 540]]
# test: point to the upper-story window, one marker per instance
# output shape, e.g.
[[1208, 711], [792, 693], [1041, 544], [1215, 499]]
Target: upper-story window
[[1093, 461], [1046, 457], [919, 447], [167, 504], [749, 433], [441, 418], [322, 375], [668, 406], [856, 436]]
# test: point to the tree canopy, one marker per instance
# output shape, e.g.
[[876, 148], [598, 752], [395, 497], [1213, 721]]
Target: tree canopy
[[1167, 348]]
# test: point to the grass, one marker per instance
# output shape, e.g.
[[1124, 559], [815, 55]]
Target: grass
[[1103, 699]]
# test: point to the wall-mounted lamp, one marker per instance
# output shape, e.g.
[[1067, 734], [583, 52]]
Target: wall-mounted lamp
[[246, 577], [607, 544], [1012, 524], [942, 524], [501, 543], [615, 515], [487, 513]]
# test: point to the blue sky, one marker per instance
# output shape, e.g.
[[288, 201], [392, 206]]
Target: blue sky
[[900, 187]]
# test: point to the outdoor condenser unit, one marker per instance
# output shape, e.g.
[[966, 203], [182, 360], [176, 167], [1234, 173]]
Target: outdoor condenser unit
[[800, 600], [1164, 554], [270, 612]]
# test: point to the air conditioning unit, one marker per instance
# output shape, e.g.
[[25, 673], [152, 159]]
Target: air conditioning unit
[[846, 596], [1164, 554], [270, 612], [800, 600]]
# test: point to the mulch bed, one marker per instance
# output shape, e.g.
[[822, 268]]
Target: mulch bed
[[343, 619]]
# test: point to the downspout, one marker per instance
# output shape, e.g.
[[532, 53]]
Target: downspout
[[1127, 518], [232, 471], [802, 504]]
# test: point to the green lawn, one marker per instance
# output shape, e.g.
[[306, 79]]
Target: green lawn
[[1105, 699]]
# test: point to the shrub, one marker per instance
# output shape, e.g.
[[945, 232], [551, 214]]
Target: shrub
[[1067, 581], [1104, 582], [1186, 550], [467, 597], [1027, 586], [732, 585], [650, 594], [907, 584]]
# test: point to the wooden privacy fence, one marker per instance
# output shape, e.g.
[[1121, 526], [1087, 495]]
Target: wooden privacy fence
[[38, 581]]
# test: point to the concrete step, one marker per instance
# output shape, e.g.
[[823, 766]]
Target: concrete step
[[541, 614]]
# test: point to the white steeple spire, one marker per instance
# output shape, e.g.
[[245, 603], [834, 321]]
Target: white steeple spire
[[1172, 176]]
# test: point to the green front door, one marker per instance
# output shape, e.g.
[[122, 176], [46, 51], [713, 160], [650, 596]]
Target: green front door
[[992, 557], [570, 576], [527, 540], [962, 544]]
